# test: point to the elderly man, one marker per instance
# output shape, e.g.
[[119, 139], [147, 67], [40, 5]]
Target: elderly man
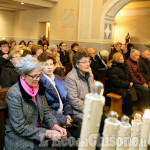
[[96, 62], [145, 65], [139, 81]]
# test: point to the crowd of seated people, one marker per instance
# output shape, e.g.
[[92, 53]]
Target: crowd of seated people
[[126, 69]]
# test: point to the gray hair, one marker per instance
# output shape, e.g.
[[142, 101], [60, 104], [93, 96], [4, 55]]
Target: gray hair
[[104, 53], [52, 47], [133, 51], [143, 52], [27, 64]]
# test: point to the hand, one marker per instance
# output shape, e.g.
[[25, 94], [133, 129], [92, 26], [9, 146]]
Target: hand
[[68, 123], [53, 135], [60, 129], [145, 85], [131, 84], [69, 117], [5, 56]]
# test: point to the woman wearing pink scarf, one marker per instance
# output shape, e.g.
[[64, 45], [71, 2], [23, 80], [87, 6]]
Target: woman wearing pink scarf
[[29, 121]]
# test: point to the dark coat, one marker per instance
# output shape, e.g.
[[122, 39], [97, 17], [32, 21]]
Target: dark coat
[[21, 130], [120, 79], [113, 51], [3, 61], [96, 64], [53, 99], [64, 58], [145, 68], [134, 70], [119, 76], [9, 76]]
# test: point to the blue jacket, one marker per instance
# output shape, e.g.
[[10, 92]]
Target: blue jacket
[[53, 99]]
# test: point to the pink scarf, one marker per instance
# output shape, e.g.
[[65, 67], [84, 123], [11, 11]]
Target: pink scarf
[[31, 91]]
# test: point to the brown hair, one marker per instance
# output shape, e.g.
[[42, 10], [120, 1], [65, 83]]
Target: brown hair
[[117, 43], [12, 53], [79, 55], [73, 45], [46, 56], [35, 48]]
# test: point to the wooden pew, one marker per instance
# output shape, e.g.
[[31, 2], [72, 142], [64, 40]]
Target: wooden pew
[[116, 103], [3, 111], [3, 93]]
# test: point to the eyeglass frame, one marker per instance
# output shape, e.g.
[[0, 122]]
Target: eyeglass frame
[[85, 62], [35, 77]]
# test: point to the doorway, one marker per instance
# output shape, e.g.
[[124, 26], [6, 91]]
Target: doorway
[[44, 29]]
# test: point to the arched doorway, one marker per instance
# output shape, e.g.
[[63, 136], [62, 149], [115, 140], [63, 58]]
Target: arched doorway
[[107, 18]]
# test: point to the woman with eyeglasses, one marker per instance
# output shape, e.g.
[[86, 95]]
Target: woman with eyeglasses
[[9, 75], [79, 82], [56, 93], [29, 121]]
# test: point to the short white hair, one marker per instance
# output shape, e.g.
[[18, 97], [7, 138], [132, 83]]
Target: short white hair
[[144, 52], [27, 64], [133, 51], [52, 47], [104, 53]]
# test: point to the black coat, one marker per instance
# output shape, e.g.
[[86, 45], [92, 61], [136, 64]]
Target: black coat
[[64, 58], [119, 79], [9, 76], [145, 68], [3, 61], [96, 64], [113, 52]]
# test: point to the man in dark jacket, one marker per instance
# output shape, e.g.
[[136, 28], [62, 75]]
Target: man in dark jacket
[[141, 83], [96, 62], [145, 65]]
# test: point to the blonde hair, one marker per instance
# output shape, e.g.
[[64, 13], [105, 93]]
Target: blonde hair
[[12, 53], [117, 43], [115, 58]]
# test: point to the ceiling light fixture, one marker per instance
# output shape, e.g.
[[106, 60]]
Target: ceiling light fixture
[[22, 3]]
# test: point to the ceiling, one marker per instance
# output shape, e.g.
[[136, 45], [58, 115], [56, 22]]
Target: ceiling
[[145, 4], [15, 5]]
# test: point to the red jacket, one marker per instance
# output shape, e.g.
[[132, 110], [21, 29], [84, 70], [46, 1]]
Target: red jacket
[[134, 69]]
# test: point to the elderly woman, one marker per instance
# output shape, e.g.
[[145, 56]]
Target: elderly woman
[[59, 68], [56, 90], [79, 82], [29, 119], [120, 81], [9, 75], [56, 94], [36, 50]]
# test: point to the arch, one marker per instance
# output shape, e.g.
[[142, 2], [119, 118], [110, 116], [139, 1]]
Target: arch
[[107, 18]]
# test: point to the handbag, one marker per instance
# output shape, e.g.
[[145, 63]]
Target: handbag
[[133, 94]]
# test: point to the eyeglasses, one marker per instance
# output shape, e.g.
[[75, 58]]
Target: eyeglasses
[[64, 45], [17, 57], [48, 65], [85, 62], [4, 46], [35, 77]]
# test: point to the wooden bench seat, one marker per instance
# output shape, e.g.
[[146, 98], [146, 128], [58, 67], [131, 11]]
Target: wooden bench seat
[[3, 111], [116, 103]]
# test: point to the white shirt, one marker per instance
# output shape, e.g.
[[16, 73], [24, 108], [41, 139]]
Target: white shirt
[[52, 80]]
